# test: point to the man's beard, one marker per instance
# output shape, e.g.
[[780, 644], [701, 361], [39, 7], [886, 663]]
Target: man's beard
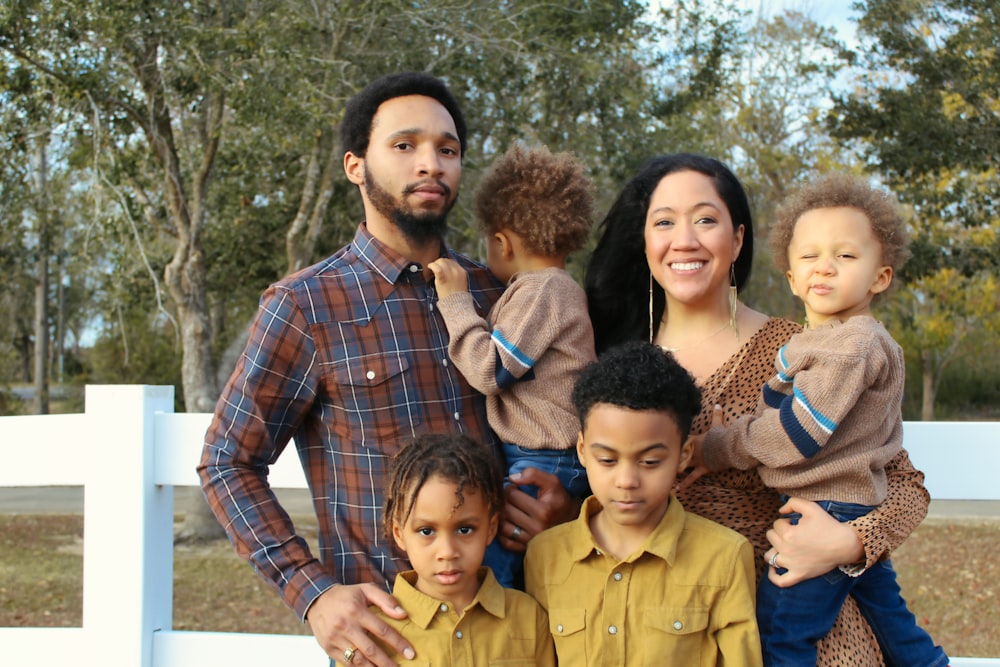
[[417, 227]]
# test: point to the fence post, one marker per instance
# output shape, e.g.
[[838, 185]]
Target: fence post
[[128, 527]]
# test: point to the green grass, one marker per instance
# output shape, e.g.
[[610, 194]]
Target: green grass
[[949, 572]]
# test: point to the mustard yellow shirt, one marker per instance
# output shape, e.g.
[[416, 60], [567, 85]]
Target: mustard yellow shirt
[[501, 626], [685, 598]]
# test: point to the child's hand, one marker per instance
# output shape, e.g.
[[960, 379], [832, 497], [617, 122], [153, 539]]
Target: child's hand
[[697, 466], [449, 277]]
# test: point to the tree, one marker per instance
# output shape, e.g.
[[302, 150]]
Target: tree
[[926, 113], [210, 128]]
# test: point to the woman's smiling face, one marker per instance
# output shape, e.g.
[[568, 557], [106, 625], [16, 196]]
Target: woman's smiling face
[[689, 236]]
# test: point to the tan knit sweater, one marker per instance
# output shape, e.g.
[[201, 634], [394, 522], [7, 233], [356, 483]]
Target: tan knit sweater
[[526, 356], [828, 421]]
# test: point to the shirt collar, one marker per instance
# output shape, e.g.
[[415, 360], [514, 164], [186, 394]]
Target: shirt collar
[[662, 542], [422, 608], [385, 261]]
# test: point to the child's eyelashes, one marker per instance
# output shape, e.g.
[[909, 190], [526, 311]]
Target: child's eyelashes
[[426, 531]]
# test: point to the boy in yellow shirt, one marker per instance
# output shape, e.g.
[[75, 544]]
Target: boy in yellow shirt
[[636, 580], [442, 507]]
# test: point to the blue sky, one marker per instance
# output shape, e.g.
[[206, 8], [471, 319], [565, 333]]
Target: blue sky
[[833, 13]]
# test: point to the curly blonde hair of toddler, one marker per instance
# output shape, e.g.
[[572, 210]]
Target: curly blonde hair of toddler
[[843, 190], [545, 198]]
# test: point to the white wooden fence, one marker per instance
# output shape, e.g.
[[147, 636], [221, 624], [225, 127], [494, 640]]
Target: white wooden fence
[[128, 450]]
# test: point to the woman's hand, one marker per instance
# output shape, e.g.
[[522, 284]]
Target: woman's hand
[[817, 544]]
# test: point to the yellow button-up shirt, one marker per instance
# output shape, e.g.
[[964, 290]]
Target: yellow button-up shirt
[[501, 626], [685, 598]]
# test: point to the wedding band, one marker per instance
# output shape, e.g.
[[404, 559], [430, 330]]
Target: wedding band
[[774, 560], [516, 533], [349, 653]]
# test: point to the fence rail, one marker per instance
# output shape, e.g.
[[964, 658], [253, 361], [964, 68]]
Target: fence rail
[[129, 450]]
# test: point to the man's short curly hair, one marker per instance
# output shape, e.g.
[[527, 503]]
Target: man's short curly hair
[[356, 126], [843, 190], [544, 198], [638, 376]]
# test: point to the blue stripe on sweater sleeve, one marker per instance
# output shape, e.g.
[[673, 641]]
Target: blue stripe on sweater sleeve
[[505, 378], [824, 422], [512, 350], [782, 362], [772, 397], [804, 442]]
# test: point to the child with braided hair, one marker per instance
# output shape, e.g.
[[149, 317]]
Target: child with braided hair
[[442, 507]]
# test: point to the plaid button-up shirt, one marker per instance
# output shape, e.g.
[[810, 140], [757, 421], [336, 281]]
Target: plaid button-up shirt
[[350, 358]]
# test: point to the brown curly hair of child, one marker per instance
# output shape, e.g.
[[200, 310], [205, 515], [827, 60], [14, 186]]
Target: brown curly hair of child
[[545, 198], [456, 458], [843, 190]]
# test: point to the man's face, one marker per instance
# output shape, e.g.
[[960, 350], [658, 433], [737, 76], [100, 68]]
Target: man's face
[[413, 166]]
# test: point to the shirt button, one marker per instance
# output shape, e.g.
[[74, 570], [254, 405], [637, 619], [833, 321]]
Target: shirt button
[[430, 307], [370, 375], [612, 630], [444, 607], [414, 268], [678, 625], [458, 634], [559, 628], [457, 417], [618, 576], [444, 362]]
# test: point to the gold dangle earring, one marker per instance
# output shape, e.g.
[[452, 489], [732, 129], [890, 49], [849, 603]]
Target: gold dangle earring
[[733, 300], [650, 306]]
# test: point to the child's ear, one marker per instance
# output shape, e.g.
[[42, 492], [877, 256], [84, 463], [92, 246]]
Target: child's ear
[[579, 447], [791, 283], [397, 536], [687, 451], [882, 280], [506, 245], [494, 526]]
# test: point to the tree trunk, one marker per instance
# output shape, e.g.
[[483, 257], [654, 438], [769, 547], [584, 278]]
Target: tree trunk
[[185, 274], [317, 191], [929, 395], [41, 366]]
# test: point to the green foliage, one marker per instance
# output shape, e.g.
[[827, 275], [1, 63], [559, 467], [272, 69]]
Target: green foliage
[[926, 113], [192, 136]]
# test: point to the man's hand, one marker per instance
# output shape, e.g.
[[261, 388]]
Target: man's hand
[[449, 277], [340, 619], [530, 516], [817, 544]]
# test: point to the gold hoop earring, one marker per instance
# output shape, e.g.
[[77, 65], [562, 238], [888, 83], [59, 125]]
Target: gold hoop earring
[[650, 306]]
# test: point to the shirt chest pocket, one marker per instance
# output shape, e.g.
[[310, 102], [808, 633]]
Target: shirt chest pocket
[[375, 399], [568, 627], [680, 631]]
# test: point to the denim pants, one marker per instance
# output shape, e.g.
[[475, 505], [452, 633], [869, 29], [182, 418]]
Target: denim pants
[[792, 620], [508, 566]]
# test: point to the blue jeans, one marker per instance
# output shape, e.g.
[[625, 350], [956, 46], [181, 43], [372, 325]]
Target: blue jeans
[[792, 620], [508, 566]]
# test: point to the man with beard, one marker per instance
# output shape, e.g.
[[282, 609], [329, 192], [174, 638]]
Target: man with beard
[[350, 358]]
